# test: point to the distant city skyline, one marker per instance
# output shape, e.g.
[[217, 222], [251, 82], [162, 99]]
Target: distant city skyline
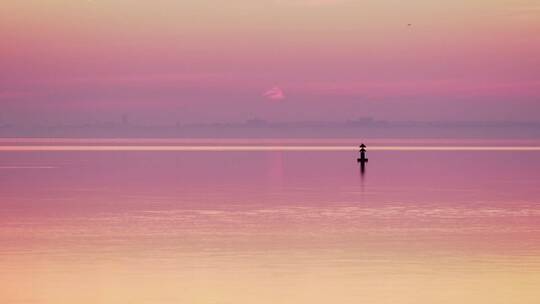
[[258, 128]]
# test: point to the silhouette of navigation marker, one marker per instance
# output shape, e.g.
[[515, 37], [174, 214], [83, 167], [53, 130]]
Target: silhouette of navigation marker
[[363, 159]]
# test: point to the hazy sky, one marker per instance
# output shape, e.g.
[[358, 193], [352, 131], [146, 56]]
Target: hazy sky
[[200, 60]]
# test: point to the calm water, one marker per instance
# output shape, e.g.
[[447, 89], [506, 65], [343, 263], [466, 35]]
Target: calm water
[[210, 224]]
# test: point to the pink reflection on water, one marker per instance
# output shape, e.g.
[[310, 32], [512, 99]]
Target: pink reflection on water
[[444, 212]]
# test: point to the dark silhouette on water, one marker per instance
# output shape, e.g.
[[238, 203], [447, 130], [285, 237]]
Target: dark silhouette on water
[[363, 159], [362, 168]]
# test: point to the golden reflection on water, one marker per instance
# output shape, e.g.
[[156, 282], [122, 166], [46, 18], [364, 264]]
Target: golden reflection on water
[[21, 148], [269, 227]]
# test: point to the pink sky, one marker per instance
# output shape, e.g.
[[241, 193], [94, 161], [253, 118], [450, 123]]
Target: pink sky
[[193, 61]]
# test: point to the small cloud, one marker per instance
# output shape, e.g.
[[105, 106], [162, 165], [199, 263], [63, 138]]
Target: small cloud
[[275, 93]]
